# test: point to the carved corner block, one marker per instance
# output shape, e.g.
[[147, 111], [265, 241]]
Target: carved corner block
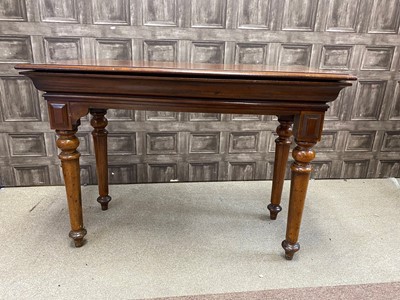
[[308, 126], [65, 115], [59, 116]]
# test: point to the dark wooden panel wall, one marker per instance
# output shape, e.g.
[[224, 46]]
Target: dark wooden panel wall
[[362, 136]]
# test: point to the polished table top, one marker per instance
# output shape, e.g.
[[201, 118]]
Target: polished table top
[[190, 69]]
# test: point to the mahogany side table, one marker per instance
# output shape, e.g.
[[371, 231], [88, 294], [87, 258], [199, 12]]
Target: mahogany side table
[[297, 95]]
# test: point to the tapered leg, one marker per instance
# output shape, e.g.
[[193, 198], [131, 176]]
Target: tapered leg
[[303, 154], [69, 156], [284, 131], [99, 133]]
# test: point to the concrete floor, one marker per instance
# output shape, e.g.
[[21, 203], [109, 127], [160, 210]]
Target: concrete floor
[[195, 238]]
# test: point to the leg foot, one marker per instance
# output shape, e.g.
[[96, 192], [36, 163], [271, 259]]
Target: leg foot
[[290, 249], [274, 210], [103, 200], [77, 236]]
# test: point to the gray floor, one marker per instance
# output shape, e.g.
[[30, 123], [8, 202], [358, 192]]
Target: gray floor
[[181, 239]]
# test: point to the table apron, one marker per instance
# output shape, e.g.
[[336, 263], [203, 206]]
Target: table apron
[[200, 88], [76, 106]]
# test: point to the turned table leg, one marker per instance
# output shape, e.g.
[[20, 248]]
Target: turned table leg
[[307, 131], [67, 142], [301, 170], [284, 131], [99, 133]]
